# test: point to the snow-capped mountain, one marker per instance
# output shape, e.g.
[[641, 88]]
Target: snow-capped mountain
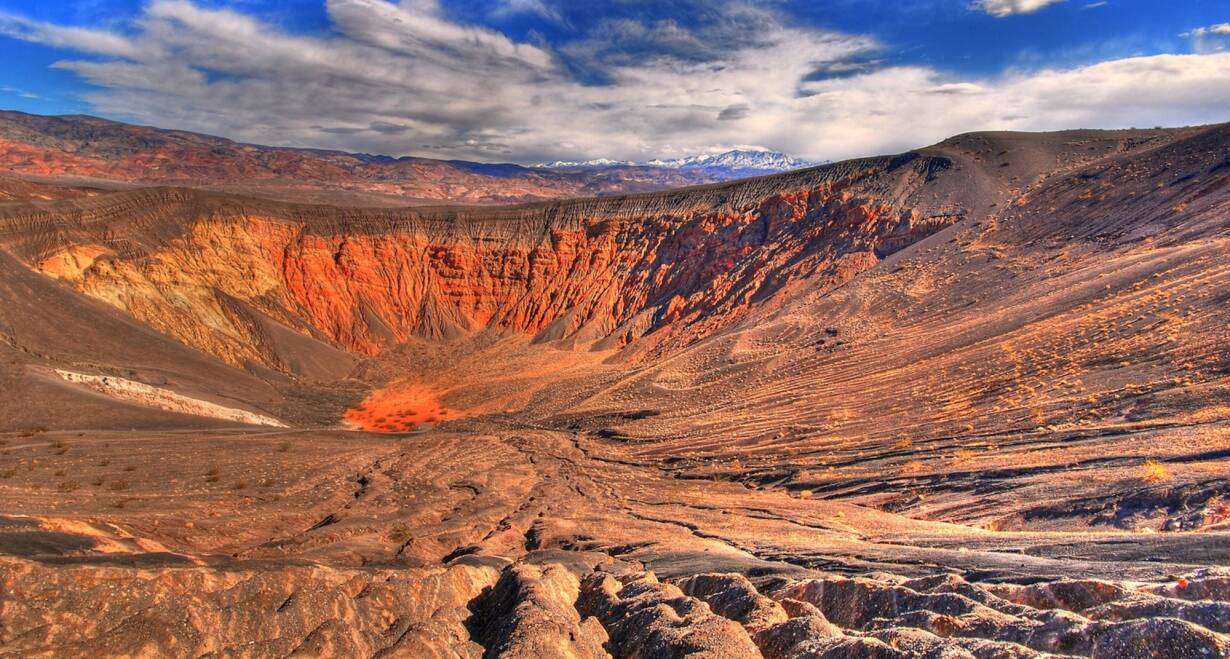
[[739, 163], [600, 162], [739, 159]]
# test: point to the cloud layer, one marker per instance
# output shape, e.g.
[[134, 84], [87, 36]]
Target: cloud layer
[[405, 79]]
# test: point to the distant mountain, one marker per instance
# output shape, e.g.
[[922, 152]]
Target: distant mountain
[[599, 162], [738, 163], [100, 151]]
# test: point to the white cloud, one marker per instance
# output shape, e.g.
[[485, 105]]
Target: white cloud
[[1220, 28], [403, 79], [902, 106], [76, 38], [15, 91], [1002, 8], [512, 7], [1210, 39]]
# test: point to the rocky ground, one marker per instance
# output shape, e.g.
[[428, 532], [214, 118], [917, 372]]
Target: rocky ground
[[521, 542]]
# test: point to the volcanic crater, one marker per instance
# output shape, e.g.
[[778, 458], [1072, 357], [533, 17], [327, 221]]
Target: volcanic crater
[[967, 401]]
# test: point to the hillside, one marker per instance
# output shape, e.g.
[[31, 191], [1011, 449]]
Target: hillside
[[103, 153], [969, 400]]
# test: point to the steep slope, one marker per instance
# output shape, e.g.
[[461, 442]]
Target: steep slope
[[660, 270], [1080, 332], [46, 326]]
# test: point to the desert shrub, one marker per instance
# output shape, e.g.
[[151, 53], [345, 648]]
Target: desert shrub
[[1153, 471], [398, 535], [962, 456], [913, 467]]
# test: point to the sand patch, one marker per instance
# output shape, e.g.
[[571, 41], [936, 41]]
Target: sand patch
[[400, 407]]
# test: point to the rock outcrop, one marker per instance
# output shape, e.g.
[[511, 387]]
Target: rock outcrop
[[523, 611]]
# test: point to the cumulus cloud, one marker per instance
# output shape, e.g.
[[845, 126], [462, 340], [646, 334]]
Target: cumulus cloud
[[405, 79], [1142, 91], [1002, 8]]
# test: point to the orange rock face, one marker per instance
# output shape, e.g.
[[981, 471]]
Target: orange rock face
[[238, 278], [603, 274]]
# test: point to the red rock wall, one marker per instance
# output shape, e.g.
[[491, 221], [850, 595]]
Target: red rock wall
[[675, 270]]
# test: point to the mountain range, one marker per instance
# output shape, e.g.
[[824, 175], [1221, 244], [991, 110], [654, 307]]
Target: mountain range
[[118, 154], [734, 164]]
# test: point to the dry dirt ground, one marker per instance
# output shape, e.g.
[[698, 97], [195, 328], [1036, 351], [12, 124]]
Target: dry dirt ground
[[994, 424]]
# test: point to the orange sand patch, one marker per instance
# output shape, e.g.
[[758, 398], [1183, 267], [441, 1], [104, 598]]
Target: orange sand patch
[[399, 407]]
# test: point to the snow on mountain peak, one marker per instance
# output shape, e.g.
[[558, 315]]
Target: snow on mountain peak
[[729, 164]]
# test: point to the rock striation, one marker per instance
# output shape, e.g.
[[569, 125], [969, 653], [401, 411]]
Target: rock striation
[[225, 274]]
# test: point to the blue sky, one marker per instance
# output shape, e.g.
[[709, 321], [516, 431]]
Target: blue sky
[[534, 80]]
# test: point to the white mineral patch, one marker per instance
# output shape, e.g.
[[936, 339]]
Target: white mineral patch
[[145, 394]]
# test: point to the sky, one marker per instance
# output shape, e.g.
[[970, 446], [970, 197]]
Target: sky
[[532, 81]]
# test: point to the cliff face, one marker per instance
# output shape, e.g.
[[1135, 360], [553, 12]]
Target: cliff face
[[214, 271], [235, 277]]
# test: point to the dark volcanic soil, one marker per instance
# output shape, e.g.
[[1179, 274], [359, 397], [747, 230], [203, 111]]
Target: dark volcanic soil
[[971, 401]]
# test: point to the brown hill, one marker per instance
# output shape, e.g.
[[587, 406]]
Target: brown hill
[[964, 401], [102, 153]]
